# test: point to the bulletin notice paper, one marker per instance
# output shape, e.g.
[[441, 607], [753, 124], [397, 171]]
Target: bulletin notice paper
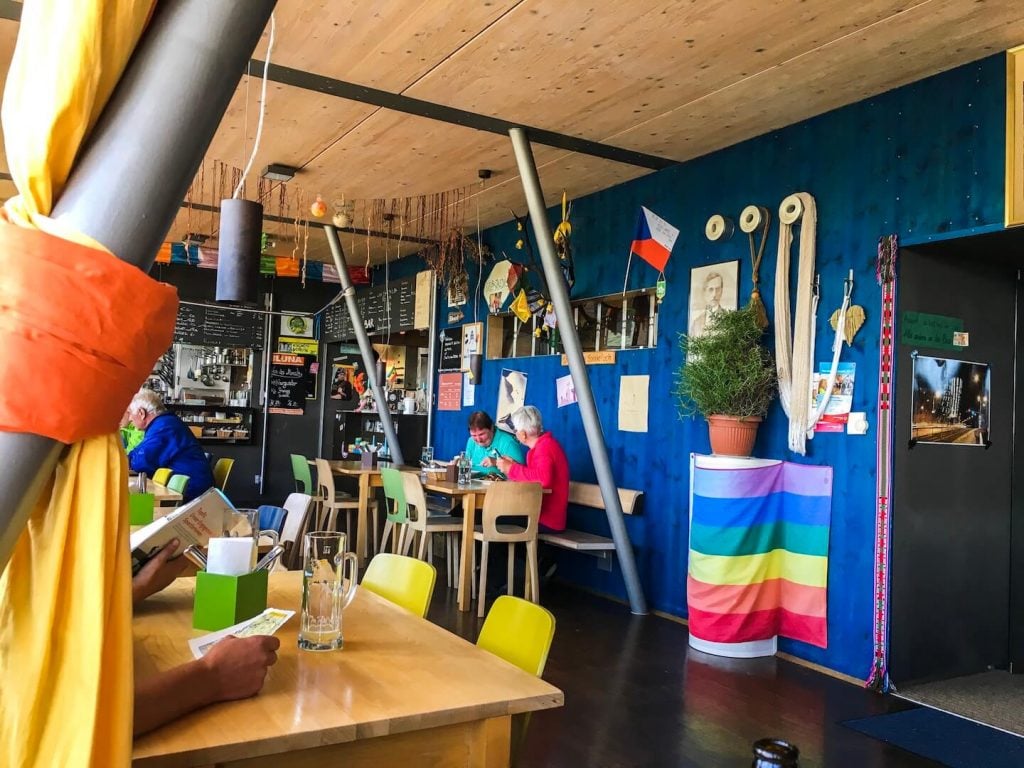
[[633, 403], [468, 391], [449, 392]]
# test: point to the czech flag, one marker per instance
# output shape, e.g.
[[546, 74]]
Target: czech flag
[[654, 239]]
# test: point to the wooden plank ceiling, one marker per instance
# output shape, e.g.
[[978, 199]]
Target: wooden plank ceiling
[[672, 79]]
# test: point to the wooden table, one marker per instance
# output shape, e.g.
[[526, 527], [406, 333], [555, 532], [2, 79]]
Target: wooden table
[[403, 691], [368, 479], [162, 495], [472, 496]]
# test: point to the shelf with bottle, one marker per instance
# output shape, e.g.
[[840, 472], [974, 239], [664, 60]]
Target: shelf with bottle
[[216, 423]]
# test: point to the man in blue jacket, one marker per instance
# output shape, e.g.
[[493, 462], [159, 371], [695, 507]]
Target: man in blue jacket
[[167, 443]]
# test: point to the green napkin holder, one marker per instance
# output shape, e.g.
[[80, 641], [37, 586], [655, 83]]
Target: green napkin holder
[[225, 600], [140, 508]]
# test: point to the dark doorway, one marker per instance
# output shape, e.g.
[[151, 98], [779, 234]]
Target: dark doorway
[[953, 510]]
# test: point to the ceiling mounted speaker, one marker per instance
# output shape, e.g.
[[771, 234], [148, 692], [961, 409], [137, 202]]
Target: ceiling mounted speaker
[[238, 256]]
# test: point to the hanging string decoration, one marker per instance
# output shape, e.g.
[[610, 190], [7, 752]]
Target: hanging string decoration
[[753, 218], [563, 244]]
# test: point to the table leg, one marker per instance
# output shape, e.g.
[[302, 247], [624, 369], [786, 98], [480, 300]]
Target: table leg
[[466, 569], [363, 518]]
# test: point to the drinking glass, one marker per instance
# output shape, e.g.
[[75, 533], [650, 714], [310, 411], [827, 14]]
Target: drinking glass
[[324, 591], [246, 522]]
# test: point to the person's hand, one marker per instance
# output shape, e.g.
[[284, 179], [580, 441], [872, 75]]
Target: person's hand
[[487, 461], [504, 463], [158, 572], [237, 666]]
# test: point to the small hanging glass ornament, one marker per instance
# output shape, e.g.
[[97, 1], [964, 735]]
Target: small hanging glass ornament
[[318, 208], [659, 289]]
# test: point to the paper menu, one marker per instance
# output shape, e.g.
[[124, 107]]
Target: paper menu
[[267, 623]]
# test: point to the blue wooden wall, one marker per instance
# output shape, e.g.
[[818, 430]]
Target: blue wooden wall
[[923, 161]]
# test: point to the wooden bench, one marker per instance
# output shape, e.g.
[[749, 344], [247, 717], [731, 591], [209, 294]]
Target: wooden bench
[[589, 495]]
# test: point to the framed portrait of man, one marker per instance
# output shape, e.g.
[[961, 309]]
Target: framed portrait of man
[[713, 289]]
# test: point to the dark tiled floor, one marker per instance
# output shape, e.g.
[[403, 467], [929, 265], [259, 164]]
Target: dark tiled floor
[[636, 696]]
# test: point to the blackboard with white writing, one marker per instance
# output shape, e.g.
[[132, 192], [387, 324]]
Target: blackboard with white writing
[[451, 349], [213, 326], [288, 383], [380, 309]]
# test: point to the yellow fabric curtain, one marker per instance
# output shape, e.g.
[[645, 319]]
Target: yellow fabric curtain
[[65, 603]]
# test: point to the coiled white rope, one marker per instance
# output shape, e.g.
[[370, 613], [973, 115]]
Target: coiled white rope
[[794, 337]]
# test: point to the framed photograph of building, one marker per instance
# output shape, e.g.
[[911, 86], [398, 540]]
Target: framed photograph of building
[[951, 401]]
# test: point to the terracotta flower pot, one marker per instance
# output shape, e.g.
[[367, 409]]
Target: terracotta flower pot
[[733, 435]]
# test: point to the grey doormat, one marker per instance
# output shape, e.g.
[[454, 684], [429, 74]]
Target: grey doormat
[[994, 698]]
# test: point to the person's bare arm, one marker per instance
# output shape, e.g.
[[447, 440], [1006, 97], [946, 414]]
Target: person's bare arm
[[158, 572], [234, 668]]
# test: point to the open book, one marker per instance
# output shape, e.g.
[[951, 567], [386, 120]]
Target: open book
[[192, 523]]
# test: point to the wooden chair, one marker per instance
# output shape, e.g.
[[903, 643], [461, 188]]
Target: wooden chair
[[405, 581], [178, 483], [300, 471], [162, 475], [419, 521], [330, 503], [396, 514], [221, 470], [521, 633], [505, 500]]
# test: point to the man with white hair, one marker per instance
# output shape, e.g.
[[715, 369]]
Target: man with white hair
[[546, 464], [167, 443]]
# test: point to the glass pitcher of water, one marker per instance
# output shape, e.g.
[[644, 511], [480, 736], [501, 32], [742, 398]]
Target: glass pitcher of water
[[324, 591]]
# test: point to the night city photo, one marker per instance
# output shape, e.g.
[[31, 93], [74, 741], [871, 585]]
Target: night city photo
[[951, 401]]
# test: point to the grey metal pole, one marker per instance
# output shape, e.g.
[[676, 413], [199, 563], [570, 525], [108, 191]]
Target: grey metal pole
[[185, 69], [364, 344], [578, 369]]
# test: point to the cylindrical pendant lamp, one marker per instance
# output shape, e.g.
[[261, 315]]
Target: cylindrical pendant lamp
[[238, 255]]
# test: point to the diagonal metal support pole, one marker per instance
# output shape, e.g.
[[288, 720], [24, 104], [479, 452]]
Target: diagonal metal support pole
[[191, 56], [578, 369], [349, 292]]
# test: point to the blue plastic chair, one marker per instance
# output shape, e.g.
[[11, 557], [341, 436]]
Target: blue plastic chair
[[271, 517]]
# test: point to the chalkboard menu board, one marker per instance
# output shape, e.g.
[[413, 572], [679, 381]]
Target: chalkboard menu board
[[213, 326], [288, 380], [451, 349], [375, 305]]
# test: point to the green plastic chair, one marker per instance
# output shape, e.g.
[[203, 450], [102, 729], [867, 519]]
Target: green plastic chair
[[405, 581], [520, 632], [178, 483], [396, 515], [162, 475], [300, 471], [140, 508]]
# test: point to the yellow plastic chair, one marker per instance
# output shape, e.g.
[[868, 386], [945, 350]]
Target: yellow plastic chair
[[178, 483], [221, 470], [405, 581], [520, 632], [162, 475]]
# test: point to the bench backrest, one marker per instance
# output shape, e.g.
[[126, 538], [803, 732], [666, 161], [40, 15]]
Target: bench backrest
[[589, 495]]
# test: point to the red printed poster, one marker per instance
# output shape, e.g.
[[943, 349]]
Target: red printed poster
[[449, 392]]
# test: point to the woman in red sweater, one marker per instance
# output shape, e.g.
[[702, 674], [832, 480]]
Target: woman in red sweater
[[545, 464]]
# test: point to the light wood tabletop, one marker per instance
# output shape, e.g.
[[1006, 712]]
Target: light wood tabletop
[[402, 691], [162, 495]]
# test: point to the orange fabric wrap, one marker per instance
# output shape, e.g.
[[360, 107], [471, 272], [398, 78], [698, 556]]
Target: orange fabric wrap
[[81, 331]]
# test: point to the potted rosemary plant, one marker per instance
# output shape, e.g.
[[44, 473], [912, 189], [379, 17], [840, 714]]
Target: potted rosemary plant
[[728, 376]]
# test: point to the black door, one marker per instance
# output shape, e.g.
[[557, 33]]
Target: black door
[[951, 536]]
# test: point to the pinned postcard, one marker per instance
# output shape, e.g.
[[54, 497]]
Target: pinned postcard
[[267, 623], [468, 391], [840, 399], [565, 391]]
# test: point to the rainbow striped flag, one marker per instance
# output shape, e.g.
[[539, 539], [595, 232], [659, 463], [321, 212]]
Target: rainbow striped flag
[[759, 553]]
